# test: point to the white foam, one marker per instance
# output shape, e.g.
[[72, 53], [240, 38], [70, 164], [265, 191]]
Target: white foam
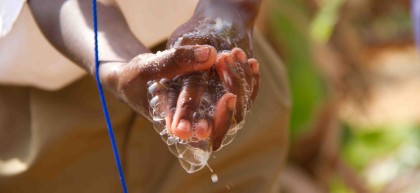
[[193, 153]]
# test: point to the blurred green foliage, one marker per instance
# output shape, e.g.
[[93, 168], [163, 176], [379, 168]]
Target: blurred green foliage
[[294, 30], [323, 23], [336, 185], [362, 145], [306, 84]]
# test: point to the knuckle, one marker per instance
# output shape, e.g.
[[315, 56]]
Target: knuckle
[[196, 39], [187, 109], [188, 104], [184, 55]]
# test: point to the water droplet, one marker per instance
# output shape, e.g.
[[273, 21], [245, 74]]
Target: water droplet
[[214, 178], [152, 88], [154, 102], [171, 140], [163, 132]]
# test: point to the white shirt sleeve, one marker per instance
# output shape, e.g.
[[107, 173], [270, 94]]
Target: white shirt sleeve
[[9, 11]]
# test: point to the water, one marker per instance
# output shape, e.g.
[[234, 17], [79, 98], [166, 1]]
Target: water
[[208, 166], [214, 178], [193, 153]]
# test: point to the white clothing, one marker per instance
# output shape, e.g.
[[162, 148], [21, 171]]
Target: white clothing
[[28, 59], [9, 11]]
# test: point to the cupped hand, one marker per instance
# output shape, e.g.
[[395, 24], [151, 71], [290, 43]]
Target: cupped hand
[[239, 76], [228, 89], [129, 80]]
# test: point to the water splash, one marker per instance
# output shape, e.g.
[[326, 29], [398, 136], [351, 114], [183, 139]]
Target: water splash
[[193, 153]]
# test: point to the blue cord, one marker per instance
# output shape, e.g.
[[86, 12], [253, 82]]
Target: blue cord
[[103, 102]]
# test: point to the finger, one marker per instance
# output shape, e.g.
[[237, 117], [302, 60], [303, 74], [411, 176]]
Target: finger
[[157, 87], [232, 77], [203, 129], [241, 58], [157, 97], [193, 88], [207, 106], [225, 109], [255, 69], [172, 98], [175, 62], [222, 69]]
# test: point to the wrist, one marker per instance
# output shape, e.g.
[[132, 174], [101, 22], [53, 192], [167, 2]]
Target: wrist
[[108, 74], [117, 77]]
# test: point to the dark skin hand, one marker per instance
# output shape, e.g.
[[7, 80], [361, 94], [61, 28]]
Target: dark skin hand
[[122, 70], [227, 26], [125, 73]]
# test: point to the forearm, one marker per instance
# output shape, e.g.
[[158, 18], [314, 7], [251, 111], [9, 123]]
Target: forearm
[[67, 24], [238, 11]]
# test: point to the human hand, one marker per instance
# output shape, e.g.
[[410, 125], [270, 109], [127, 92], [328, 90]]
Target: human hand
[[194, 113], [233, 83], [198, 112], [239, 76], [128, 81]]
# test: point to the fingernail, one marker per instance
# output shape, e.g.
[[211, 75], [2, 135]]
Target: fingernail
[[241, 57], [184, 125], [203, 124], [183, 130], [231, 103], [202, 129], [255, 67], [202, 54]]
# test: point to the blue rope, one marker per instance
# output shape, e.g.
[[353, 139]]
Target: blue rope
[[103, 102]]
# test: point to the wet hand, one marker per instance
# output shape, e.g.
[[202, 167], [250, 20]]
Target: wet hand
[[239, 76], [129, 80], [228, 89]]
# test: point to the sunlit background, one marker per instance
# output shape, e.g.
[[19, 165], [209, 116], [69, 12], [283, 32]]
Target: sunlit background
[[354, 74]]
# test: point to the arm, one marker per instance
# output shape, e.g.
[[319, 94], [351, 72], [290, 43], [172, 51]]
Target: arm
[[240, 11], [67, 24], [224, 24]]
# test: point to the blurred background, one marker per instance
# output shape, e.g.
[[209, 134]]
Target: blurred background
[[354, 74]]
